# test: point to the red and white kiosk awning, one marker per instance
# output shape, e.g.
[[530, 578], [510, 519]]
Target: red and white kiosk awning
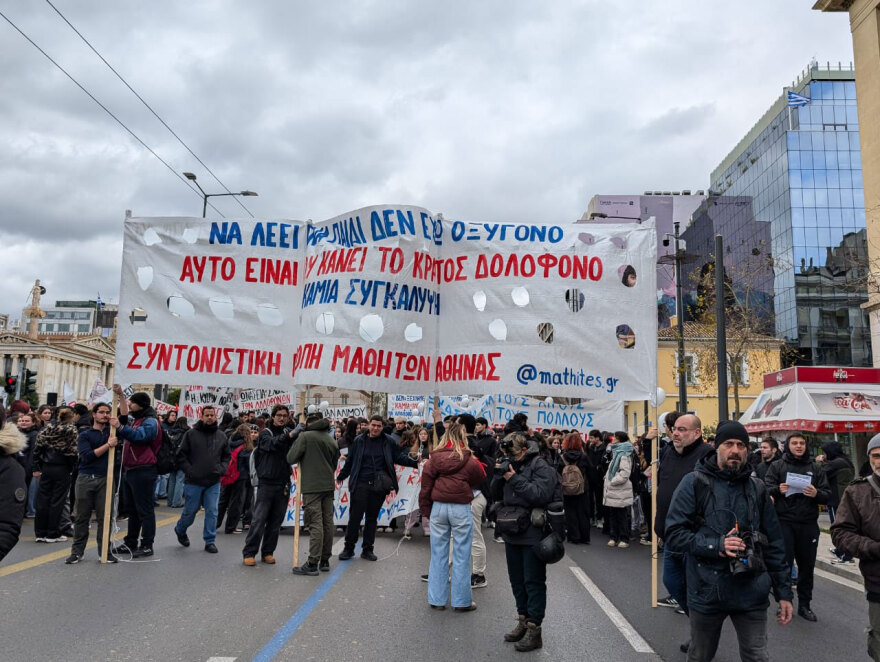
[[817, 399]]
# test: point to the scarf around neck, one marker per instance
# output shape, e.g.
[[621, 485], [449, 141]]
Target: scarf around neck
[[619, 450]]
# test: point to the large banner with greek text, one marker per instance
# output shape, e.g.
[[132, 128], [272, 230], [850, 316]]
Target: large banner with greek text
[[394, 299]]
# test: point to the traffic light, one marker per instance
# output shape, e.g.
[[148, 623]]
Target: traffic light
[[9, 384], [30, 382]]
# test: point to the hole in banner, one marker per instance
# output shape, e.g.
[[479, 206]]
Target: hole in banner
[[480, 300], [575, 299], [371, 328], [545, 332], [269, 314], [413, 332], [620, 242], [222, 307], [152, 237], [626, 337], [145, 277], [498, 329], [138, 317], [627, 275], [587, 238], [191, 235], [520, 296], [324, 324], [180, 307]]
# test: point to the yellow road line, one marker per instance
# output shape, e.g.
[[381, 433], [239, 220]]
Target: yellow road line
[[62, 553]]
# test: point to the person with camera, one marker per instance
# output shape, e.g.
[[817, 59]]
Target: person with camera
[[369, 466], [525, 485], [723, 520], [798, 511]]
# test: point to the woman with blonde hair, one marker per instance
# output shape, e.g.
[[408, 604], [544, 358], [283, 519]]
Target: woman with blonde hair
[[448, 481], [419, 449]]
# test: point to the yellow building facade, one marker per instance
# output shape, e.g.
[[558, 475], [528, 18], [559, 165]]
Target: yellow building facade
[[760, 355]]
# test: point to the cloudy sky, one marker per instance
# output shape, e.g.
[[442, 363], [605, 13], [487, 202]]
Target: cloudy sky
[[490, 110]]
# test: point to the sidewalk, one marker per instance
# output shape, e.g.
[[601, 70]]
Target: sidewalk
[[824, 555]]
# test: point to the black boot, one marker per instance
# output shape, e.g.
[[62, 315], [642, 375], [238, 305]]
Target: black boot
[[532, 640], [804, 611], [519, 631]]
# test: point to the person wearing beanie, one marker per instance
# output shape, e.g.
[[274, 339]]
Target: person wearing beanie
[[856, 532], [142, 437], [718, 514], [840, 472], [799, 512], [317, 454]]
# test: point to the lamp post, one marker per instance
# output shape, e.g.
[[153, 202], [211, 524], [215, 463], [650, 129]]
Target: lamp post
[[599, 214], [191, 177]]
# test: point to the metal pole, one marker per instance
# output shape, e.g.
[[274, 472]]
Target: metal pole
[[204, 205], [679, 313], [720, 329]]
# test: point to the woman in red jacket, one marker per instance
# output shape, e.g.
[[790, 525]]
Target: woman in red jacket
[[448, 482]]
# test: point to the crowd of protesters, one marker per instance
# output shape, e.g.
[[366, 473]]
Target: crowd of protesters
[[54, 467]]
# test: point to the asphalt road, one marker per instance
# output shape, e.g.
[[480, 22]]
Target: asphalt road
[[185, 604]]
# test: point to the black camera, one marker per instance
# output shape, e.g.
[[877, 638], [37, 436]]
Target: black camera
[[749, 560], [503, 466]]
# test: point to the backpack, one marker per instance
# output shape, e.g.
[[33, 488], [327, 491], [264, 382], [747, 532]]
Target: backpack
[[572, 479], [165, 462], [232, 474]]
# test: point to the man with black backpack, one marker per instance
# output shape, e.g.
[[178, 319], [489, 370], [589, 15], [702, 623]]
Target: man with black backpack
[[723, 520]]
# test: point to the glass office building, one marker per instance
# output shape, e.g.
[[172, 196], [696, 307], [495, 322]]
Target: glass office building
[[789, 202]]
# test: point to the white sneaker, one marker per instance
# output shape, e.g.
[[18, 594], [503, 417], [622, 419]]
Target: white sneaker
[[58, 539], [41, 540], [840, 561], [611, 543], [623, 545]]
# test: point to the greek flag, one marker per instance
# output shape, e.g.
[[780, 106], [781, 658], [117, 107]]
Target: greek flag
[[796, 100]]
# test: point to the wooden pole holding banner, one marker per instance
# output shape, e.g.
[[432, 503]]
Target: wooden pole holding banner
[[297, 501], [108, 485], [655, 443]]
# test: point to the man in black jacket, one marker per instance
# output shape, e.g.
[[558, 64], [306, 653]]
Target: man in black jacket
[[718, 515], [769, 455], [677, 460], [273, 487], [369, 467], [203, 457], [799, 512]]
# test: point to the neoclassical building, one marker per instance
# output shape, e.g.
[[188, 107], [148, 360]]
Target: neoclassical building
[[57, 358]]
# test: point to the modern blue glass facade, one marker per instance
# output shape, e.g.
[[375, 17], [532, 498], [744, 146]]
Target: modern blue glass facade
[[801, 170]]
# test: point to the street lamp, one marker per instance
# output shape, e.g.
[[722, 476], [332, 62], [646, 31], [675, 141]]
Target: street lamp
[[191, 177], [599, 214]]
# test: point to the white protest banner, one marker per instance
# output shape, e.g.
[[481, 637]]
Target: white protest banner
[[263, 399], [100, 393], [194, 398], [68, 394], [337, 413], [163, 408], [499, 409], [400, 404], [355, 301], [402, 502]]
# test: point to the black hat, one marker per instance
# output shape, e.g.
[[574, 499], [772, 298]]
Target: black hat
[[314, 416], [730, 430], [142, 400]]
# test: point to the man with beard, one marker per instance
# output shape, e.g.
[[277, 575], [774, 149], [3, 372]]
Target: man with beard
[[799, 512], [142, 438], [723, 520], [203, 456], [769, 455]]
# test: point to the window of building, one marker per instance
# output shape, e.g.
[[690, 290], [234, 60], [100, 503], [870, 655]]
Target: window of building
[[739, 368], [690, 369], [344, 399], [316, 398]]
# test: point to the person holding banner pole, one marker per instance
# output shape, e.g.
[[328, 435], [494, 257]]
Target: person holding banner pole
[[317, 454], [111, 474]]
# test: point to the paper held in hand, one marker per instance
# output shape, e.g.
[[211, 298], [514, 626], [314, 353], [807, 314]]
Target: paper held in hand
[[797, 483]]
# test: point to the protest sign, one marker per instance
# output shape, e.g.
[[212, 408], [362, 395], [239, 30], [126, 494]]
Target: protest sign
[[337, 413], [194, 398], [355, 301], [402, 502], [263, 399]]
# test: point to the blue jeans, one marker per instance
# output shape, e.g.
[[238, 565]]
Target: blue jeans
[[832, 512], [175, 489], [32, 496], [675, 576], [456, 521], [197, 495], [159, 492]]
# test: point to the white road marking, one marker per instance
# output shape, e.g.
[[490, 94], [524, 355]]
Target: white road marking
[[843, 581], [628, 631], [222, 659]]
